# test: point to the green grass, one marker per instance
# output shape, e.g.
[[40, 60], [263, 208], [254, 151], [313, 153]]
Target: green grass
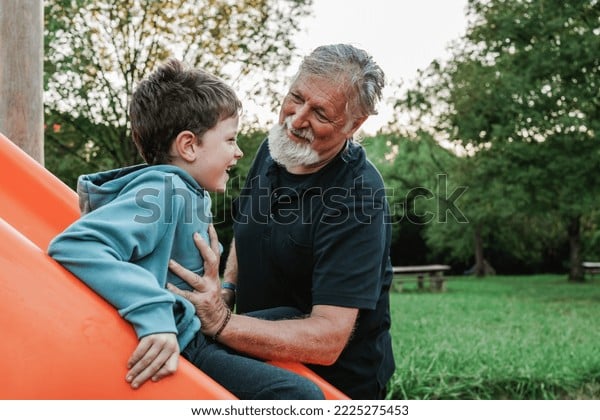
[[502, 337]]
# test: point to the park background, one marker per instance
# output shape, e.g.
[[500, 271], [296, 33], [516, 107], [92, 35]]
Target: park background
[[490, 157]]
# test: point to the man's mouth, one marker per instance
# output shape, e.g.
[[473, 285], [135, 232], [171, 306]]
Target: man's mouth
[[301, 135]]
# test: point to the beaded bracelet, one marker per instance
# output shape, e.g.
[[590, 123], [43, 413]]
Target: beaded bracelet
[[222, 327]]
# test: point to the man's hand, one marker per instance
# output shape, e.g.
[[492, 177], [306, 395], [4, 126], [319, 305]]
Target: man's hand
[[206, 293], [156, 356]]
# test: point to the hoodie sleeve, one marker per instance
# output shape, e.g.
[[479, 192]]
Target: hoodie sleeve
[[101, 249]]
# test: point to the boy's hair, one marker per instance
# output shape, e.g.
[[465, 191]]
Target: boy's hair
[[174, 99]]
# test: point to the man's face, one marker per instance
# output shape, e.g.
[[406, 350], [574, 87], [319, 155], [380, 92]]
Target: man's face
[[314, 123]]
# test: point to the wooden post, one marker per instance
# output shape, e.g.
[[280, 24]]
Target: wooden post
[[21, 74], [420, 281]]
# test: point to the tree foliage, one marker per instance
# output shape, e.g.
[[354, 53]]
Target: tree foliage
[[249, 143], [96, 51], [415, 173], [520, 94]]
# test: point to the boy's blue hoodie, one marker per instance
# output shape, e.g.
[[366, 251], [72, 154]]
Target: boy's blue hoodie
[[134, 220]]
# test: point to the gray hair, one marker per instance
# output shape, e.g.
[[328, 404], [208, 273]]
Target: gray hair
[[351, 65]]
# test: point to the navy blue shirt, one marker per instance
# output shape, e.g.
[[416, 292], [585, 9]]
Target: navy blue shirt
[[321, 239]]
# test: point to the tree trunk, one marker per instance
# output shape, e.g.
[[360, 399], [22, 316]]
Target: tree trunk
[[574, 232], [482, 267], [479, 260], [21, 75]]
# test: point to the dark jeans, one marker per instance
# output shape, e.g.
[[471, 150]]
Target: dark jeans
[[245, 377]]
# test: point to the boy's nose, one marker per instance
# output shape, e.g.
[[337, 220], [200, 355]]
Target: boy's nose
[[238, 152]]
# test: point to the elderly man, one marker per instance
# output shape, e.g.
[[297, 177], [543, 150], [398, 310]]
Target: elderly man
[[309, 266]]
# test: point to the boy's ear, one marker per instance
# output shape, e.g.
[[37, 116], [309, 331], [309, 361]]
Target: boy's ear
[[185, 145]]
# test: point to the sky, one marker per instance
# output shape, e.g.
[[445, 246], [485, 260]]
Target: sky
[[403, 36]]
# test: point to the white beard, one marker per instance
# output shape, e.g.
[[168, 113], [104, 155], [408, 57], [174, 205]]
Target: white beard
[[289, 153]]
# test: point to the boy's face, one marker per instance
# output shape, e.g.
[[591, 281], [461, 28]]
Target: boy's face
[[217, 152]]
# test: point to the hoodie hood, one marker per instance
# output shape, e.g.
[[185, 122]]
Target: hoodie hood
[[97, 189]]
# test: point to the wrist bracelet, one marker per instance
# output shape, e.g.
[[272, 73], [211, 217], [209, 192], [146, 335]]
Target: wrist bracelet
[[229, 285], [222, 327]]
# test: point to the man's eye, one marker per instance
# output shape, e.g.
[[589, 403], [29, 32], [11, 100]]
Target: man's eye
[[321, 117]]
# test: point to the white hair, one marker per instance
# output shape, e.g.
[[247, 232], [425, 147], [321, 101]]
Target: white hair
[[286, 151]]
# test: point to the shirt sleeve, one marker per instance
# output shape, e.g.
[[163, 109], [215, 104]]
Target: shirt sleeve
[[350, 246], [101, 249]]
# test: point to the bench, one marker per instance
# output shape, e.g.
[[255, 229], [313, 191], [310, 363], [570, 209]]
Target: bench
[[590, 268], [434, 272]]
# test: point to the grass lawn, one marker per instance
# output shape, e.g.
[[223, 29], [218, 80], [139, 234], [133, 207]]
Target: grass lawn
[[502, 337]]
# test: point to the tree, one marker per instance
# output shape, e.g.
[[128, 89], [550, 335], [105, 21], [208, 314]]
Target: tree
[[249, 141], [97, 50], [523, 85], [415, 171]]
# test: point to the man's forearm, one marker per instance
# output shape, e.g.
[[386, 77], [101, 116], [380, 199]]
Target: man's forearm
[[317, 339], [231, 266]]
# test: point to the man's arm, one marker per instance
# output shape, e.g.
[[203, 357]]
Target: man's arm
[[319, 338], [230, 276], [231, 267]]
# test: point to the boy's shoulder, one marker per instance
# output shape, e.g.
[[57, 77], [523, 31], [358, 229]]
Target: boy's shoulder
[[167, 176], [99, 189]]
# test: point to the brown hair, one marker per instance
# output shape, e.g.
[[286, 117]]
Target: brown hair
[[174, 99]]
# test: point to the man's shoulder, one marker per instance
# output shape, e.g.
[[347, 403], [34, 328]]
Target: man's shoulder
[[263, 154], [360, 171]]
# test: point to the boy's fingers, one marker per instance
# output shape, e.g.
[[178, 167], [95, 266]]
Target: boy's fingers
[[138, 353], [169, 368]]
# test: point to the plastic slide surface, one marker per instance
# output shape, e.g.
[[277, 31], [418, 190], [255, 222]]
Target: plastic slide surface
[[59, 339], [32, 199]]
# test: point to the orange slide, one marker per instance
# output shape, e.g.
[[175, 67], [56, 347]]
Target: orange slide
[[59, 339]]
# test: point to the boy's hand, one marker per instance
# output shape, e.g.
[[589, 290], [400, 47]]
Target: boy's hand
[[156, 356]]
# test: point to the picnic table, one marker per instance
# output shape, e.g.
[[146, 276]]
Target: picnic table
[[590, 267], [434, 272]]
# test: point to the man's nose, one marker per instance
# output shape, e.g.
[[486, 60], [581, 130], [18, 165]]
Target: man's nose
[[300, 117]]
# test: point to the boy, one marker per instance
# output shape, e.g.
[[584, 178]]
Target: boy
[[184, 123]]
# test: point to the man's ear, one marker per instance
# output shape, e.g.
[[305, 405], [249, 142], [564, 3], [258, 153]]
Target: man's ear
[[185, 145], [357, 123]]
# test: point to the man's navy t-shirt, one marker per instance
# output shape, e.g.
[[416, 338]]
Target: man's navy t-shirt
[[321, 239]]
